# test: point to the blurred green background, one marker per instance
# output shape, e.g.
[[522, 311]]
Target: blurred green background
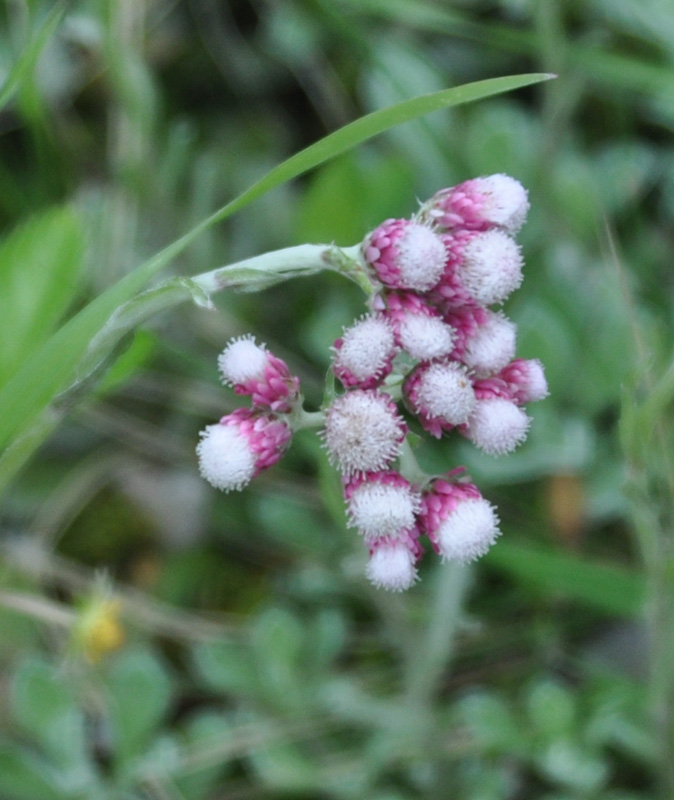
[[161, 640]]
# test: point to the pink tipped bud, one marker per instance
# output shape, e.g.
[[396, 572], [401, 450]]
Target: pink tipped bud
[[491, 346], [497, 425], [243, 444], [405, 254], [526, 380], [441, 394], [483, 267], [381, 504], [252, 370], [364, 354], [363, 431], [478, 204], [391, 565], [460, 523], [419, 328]]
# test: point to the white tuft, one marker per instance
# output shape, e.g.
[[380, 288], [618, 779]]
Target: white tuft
[[445, 391], [497, 426], [505, 201], [424, 337], [366, 347], [536, 383], [381, 509], [492, 267], [492, 346], [391, 567], [225, 457], [469, 531], [242, 360], [362, 432], [421, 258]]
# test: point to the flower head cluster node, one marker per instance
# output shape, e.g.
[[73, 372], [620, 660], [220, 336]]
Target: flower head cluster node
[[433, 341], [363, 355], [240, 446], [418, 327], [480, 204], [252, 370], [405, 254], [363, 431], [459, 522]]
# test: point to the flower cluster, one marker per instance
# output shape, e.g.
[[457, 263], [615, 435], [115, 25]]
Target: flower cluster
[[247, 441], [433, 342]]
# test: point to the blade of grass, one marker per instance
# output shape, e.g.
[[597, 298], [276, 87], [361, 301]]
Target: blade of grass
[[53, 367], [26, 62], [602, 587]]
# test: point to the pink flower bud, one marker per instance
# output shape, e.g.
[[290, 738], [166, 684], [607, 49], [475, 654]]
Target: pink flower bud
[[460, 523], [497, 425], [490, 346], [478, 204], [405, 254], [526, 380], [364, 353], [252, 370], [381, 504], [391, 565], [243, 444], [441, 394], [483, 268], [363, 431], [419, 328]]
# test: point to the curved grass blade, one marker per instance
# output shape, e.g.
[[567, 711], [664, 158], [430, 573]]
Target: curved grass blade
[[54, 366]]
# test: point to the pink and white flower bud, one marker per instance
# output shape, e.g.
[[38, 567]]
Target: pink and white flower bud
[[419, 328], [483, 268], [364, 353], [391, 565], [252, 370], [525, 379], [363, 431], [243, 444], [441, 395], [405, 254], [381, 504], [460, 523], [497, 425], [490, 347], [480, 203]]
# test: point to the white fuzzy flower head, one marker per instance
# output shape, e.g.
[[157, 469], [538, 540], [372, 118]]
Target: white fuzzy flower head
[[363, 431], [425, 337], [366, 347], [492, 267], [226, 459], [497, 426], [421, 257], [445, 391], [380, 509], [469, 531], [242, 360], [505, 201], [391, 566], [492, 346]]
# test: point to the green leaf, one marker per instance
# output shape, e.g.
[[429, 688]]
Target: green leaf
[[610, 589], [25, 64], [140, 691], [38, 696], [551, 709], [40, 270], [228, 667], [74, 350], [24, 776]]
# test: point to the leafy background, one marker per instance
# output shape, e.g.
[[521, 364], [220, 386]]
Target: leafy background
[[161, 640]]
